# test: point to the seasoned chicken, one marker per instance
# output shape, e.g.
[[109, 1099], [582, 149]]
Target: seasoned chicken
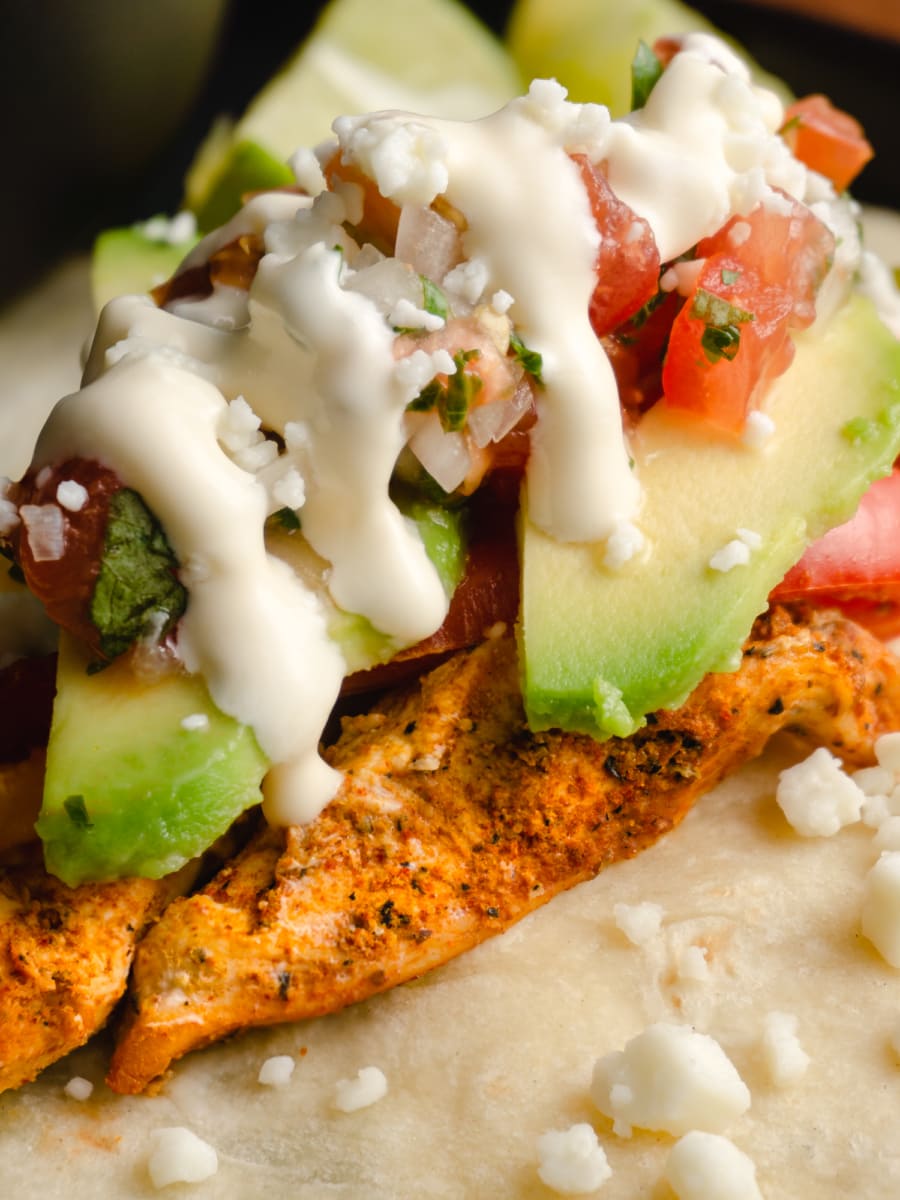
[[64, 959], [454, 821]]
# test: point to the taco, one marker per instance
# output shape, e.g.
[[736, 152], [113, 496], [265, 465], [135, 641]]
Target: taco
[[652, 347]]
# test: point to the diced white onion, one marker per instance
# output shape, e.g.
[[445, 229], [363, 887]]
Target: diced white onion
[[386, 282], [46, 530], [427, 240], [444, 456], [491, 422]]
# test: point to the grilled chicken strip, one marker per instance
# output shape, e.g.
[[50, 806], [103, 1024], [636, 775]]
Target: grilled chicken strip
[[454, 821], [65, 954]]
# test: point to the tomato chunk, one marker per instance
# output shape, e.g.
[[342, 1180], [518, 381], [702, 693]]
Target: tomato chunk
[[757, 282], [64, 581], [380, 215], [627, 265], [826, 139], [856, 566], [636, 351], [786, 245]]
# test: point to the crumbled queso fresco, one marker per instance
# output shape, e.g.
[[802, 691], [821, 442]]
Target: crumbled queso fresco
[[785, 1058], [818, 799], [179, 1156], [707, 1166], [737, 552], [79, 1088], [639, 922], [669, 1078], [276, 1071], [572, 1161], [369, 1086]]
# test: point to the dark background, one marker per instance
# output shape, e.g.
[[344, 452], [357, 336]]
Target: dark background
[[178, 69]]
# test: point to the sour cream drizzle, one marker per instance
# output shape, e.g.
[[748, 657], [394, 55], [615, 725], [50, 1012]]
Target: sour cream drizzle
[[314, 360]]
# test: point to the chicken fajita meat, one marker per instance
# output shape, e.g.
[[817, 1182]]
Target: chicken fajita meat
[[65, 954], [454, 821]]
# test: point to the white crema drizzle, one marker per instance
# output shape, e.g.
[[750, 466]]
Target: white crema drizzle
[[314, 360]]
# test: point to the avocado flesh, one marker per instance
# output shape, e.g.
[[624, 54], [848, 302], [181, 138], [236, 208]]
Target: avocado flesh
[[128, 789], [602, 648], [443, 535], [125, 262]]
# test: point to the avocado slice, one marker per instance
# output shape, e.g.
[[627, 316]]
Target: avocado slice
[[435, 56], [443, 533], [127, 261], [130, 789], [602, 648]]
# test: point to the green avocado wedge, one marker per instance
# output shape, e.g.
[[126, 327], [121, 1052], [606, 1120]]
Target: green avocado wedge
[[127, 261], [131, 789], [600, 648]]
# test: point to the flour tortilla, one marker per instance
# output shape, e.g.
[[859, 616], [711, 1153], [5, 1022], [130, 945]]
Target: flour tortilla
[[489, 1052]]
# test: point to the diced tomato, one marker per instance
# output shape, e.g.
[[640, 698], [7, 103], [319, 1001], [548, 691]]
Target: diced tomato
[[627, 264], [700, 379], [856, 566], [636, 351], [64, 585], [665, 48], [826, 139], [786, 245], [380, 215], [758, 282]]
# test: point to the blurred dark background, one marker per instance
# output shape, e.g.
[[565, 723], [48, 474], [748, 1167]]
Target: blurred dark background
[[176, 64]]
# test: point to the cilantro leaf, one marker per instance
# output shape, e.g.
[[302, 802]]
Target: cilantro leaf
[[646, 69], [530, 359], [433, 299], [137, 591], [722, 336], [427, 399], [714, 310], [287, 518], [453, 399], [76, 811], [720, 341], [462, 388]]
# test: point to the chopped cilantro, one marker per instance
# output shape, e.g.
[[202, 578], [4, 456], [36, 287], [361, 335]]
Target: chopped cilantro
[[287, 518], [462, 388], [729, 276], [530, 359], [433, 299], [722, 336], [646, 69], [76, 811], [137, 592], [427, 399], [453, 399], [720, 341], [644, 313]]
